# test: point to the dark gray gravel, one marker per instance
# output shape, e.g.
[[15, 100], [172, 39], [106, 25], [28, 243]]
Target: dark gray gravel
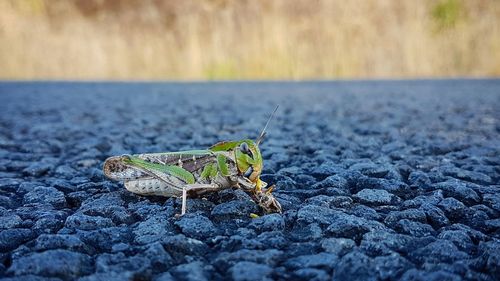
[[378, 180]]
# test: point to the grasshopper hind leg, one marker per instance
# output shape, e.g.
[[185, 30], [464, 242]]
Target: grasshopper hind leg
[[184, 200], [189, 187]]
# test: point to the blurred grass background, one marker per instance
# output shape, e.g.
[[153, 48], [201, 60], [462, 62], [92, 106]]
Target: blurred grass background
[[253, 39]]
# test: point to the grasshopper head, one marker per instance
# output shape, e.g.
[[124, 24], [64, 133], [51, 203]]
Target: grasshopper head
[[249, 161], [247, 156]]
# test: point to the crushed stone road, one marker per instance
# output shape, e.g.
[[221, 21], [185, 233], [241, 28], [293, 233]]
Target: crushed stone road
[[387, 180]]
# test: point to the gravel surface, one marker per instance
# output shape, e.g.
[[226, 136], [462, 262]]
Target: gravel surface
[[378, 180]]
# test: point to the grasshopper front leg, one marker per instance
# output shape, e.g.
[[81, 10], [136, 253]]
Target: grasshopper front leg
[[189, 187]]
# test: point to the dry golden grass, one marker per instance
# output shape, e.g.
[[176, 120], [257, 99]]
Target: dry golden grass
[[258, 39]]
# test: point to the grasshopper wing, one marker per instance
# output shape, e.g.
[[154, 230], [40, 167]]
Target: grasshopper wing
[[161, 174]]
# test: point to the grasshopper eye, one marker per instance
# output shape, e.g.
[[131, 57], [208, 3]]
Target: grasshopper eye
[[245, 149]]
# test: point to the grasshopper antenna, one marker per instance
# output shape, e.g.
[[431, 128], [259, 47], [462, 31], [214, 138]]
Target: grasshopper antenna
[[263, 133]]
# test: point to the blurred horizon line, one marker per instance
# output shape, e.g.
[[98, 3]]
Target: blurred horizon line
[[205, 40], [312, 80]]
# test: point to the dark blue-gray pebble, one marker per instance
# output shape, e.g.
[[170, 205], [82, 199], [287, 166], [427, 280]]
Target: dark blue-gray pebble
[[378, 181]]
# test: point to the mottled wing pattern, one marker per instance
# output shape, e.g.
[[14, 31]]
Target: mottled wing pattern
[[191, 161], [158, 173]]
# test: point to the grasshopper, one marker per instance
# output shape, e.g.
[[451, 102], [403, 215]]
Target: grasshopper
[[227, 164]]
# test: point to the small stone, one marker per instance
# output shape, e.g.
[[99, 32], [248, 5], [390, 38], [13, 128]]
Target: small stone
[[395, 187], [237, 209], [321, 215], [285, 183], [158, 257], [120, 247], [370, 169], [76, 198], [268, 240], [391, 267], [13, 238], [459, 238], [303, 194], [365, 212], [309, 232], [48, 224], [333, 191], [339, 201], [30, 277], [321, 260], [410, 214], [62, 264], [84, 222], [476, 219], [492, 201], [470, 176], [306, 181], [118, 262], [419, 275], [37, 169], [355, 266], [338, 246], [227, 195], [60, 241], [287, 201], [375, 197], [327, 169], [413, 228], [109, 276], [490, 256], [10, 221], [145, 209], [108, 205], [433, 199], [435, 216], [493, 225], [311, 274], [349, 226], [196, 226], [65, 171], [453, 209], [483, 208], [438, 251], [43, 194], [7, 202], [459, 191], [226, 260], [151, 230], [475, 235], [179, 246], [104, 239], [271, 222], [198, 205], [166, 276], [376, 243], [9, 184], [331, 182], [250, 271], [320, 200], [302, 248], [420, 180], [96, 175], [62, 185], [194, 271]]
